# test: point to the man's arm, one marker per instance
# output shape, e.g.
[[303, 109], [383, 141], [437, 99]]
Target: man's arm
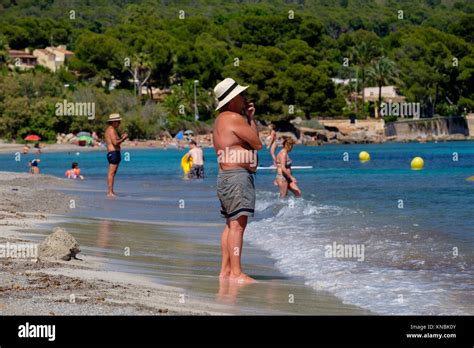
[[273, 147], [123, 138], [112, 136], [246, 131]]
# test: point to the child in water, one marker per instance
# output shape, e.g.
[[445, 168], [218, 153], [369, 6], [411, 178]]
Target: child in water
[[74, 172], [34, 168]]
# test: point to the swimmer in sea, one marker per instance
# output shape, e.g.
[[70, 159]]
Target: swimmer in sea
[[74, 172], [34, 166], [284, 178]]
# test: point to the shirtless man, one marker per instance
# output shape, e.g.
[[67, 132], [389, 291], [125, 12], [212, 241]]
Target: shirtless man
[[113, 150], [236, 141], [196, 153]]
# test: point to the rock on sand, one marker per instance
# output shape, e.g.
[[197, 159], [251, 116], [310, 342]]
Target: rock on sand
[[59, 245]]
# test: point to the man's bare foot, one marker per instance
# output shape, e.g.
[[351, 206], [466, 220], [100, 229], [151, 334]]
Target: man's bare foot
[[111, 194], [242, 279], [224, 274]]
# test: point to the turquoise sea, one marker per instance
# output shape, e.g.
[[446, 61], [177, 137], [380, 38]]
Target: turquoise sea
[[416, 227]]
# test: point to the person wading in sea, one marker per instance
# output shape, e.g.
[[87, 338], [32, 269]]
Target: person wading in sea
[[284, 177], [113, 150], [235, 137], [196, 153]]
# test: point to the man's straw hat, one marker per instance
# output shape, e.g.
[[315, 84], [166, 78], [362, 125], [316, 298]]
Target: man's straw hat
[[114, 117], [227, 90]]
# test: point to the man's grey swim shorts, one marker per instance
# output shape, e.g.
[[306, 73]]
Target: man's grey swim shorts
[[236, 192]]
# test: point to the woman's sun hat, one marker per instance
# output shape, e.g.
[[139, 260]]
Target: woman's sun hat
[[114, 117], [227, 90]]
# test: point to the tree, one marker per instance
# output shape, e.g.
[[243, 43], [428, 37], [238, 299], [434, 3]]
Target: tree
[[430, 63], [364, 53], [311, 31], [180, 103], [98, 54], [159, 49], [261, 77], [382, 73], [466, 83], [140, 70], [298, 51], [3, 51], [202, 60], [311, 90], [464, 27]]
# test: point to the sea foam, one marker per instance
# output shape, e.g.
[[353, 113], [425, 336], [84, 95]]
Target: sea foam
[[395, 277]]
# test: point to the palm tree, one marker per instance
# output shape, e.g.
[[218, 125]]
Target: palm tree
[[382, 73], [349, 73], [140, 70], [182, 96], [363, 54], [204, 98]]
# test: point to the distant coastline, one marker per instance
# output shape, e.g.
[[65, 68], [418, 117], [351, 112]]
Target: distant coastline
[[329, 131]]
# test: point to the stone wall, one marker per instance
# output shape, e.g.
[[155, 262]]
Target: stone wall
[[436, 127], [470, 124]]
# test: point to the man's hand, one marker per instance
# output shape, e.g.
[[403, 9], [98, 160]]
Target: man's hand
[[250, 108], [246, 131], [124, 136]]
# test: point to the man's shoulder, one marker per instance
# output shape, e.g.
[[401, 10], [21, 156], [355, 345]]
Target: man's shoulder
[[229, 118], [229, 115]]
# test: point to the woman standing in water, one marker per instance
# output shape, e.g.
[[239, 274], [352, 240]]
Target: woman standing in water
[[284, 178]]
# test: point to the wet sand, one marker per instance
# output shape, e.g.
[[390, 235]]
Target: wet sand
[[167, 256], [38, 287]]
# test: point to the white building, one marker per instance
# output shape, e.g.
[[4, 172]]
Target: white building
[[52, 58]]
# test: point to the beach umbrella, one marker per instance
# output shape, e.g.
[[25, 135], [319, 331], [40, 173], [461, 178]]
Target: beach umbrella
[[33, 137], [179, 136], [83, 133]]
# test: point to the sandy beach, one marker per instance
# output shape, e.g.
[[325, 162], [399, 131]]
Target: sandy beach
[[13, 148], [36, 287]]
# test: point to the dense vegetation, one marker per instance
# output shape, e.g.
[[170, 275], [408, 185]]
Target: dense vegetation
[[287, 51]]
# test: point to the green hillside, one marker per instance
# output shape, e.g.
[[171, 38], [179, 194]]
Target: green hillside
[[288, 51]]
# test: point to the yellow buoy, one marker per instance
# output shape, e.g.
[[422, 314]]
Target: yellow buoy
[[417, 163], [471, 178], [364, 156]]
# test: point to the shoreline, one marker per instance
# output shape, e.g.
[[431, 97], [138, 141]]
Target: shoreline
[[39, 287], [12, 148], [352, 136]]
